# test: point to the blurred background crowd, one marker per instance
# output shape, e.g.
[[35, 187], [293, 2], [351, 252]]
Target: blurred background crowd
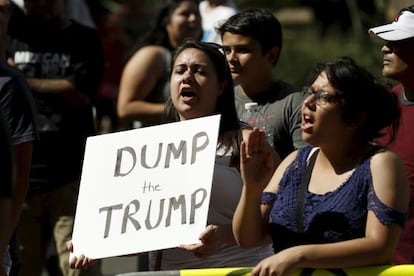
[[313, 30]]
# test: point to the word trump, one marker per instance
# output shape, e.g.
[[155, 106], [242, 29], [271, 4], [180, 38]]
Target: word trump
[[199, 142], [167, 206], [146, 183]]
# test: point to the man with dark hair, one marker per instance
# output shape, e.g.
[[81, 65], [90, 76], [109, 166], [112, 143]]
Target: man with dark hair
[[252, 42], [398, 64]]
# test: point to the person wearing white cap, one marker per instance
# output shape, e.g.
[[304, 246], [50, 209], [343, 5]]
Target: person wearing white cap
[[398, 64], [400, 29]]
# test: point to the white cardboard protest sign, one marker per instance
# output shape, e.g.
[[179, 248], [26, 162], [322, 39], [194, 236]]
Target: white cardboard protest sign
[[145, 189]]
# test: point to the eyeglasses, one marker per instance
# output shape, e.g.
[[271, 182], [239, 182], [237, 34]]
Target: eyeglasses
[[321, 98]]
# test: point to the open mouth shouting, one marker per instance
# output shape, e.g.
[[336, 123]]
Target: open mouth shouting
[[188, 96], [307, 123]]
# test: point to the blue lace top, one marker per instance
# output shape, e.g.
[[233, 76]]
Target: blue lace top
[[335, 216]]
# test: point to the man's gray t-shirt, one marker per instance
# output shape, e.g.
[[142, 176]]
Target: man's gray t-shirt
[[281, 107]]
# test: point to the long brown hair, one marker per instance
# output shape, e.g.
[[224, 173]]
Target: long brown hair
[[229, 132]]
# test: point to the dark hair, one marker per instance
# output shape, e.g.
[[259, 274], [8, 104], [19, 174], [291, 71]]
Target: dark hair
[[259, 24], [229, 132], [410, 9], [362, 96], [158, 35]]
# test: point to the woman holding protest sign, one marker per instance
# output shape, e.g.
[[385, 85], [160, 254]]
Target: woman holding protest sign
[[201, 85]]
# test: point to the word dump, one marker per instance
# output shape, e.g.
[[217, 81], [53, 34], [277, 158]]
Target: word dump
[[166, 209], [199, 142]]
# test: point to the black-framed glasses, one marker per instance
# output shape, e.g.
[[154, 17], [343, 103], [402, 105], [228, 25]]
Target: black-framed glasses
[[321, 98]]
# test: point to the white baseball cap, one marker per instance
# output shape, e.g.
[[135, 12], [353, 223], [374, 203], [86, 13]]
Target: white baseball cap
[[401, 28]]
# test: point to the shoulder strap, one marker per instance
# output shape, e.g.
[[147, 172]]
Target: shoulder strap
[[302, 190]]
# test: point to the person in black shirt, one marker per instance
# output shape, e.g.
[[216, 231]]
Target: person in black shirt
[[62, 62]]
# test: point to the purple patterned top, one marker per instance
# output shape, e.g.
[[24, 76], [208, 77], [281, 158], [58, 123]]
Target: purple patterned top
[[335, 216]]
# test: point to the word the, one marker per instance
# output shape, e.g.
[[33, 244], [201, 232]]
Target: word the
[[148, 187]]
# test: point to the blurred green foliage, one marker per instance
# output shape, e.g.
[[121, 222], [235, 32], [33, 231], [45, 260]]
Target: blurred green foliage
[[304, 44], [303, 47]]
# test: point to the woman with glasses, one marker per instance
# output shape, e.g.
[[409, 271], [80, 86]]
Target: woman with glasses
[[339, 202]]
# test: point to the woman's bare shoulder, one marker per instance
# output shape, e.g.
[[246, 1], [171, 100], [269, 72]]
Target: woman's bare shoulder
[[148, 58], [390, 179]]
